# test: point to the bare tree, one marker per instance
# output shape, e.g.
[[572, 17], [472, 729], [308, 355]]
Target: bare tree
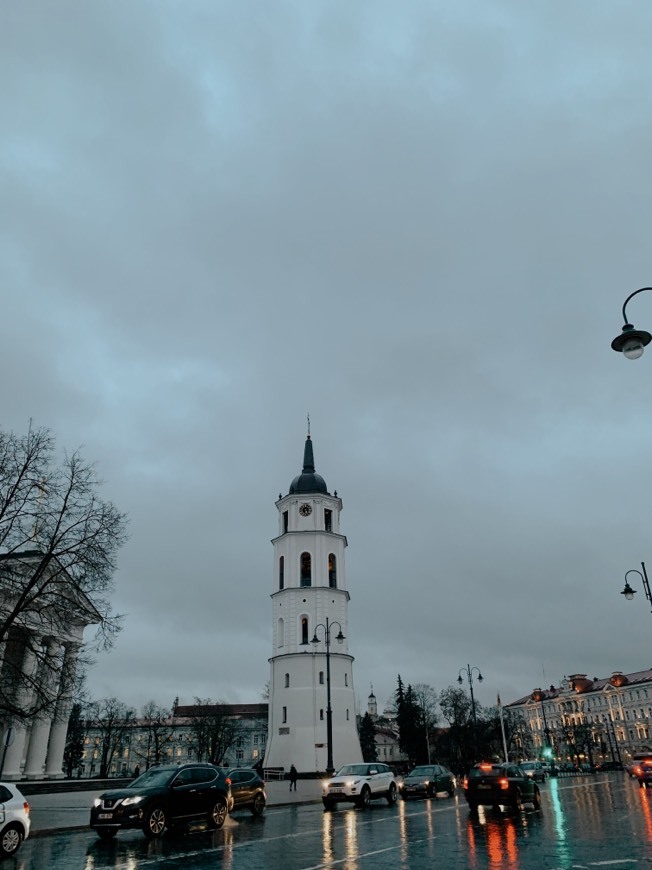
[[158, 731], [58, 546], [114, 721], [215, 731], [426, 699]]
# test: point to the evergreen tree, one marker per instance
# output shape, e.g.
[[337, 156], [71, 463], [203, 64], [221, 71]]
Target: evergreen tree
[[72, 754], [367, 734]]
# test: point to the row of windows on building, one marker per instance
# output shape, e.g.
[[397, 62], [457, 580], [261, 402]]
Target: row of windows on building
[[304, 630], [321, 679], [328, 520], [321, 715], [305, 570]]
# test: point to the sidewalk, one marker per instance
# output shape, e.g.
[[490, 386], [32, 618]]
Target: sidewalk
[[70, 810]]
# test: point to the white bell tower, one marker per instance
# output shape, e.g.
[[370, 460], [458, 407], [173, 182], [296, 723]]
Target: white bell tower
[[310, 603]]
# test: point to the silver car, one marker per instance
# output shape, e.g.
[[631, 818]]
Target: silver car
[[14, 819]]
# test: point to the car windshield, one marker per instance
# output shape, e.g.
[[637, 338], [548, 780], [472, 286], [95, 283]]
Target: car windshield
[[353, 770], [528, 765], [422, 771], [154, 778]]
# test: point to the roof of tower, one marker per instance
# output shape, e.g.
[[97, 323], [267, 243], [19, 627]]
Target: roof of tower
[[308, 481]]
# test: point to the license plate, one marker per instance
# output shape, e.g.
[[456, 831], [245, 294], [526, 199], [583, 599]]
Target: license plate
[[337, 790], [105, 816], [484, 786]]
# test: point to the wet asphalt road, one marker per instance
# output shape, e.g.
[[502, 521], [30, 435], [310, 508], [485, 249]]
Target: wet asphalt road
[[602, 821]]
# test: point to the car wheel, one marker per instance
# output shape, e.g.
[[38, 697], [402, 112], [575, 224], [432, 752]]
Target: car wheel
[[155, 823], [473, 806], [536, 800], [450, 791], [217, 815], [12, 837], [392, 794], [328, 804], [365, 798], [258, 806], [106, 833], [517, 802]]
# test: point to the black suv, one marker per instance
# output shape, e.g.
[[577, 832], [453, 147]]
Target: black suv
[[247, 790], [427, 780], [500, 785], [165, 796]]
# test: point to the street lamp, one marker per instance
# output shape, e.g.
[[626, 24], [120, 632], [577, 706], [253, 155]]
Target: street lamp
[[469, 677], [629, 593], [330, 769], [539, 696], [631, 342]]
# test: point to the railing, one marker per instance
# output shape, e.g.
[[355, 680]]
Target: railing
[[274, 773]]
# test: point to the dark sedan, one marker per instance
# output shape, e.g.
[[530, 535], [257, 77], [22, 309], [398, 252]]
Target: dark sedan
[[500, 785], [247, 790], [427, 780]]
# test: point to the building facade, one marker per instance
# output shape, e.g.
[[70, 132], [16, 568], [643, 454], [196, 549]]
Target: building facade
[[135, 747], [38, 664], [605, 719], [310, 654]]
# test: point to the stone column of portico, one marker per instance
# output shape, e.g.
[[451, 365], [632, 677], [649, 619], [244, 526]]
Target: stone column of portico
[[37, 746], [11, 768], [59, 729]]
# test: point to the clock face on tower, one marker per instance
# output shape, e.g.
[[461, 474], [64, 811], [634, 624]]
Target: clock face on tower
[[305, 510]]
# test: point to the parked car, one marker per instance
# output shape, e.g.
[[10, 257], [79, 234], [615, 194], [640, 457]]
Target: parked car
[[165, 796], [643, 772], [503, 784], [608, 765], [247, 790], [534, 769], [427, 780], [359, 784], [14, 819]]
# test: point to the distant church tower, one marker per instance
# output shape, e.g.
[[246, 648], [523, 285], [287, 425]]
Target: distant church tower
[[309, 589]]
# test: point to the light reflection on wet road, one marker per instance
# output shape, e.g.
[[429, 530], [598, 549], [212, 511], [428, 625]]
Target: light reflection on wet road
[[589, 822]]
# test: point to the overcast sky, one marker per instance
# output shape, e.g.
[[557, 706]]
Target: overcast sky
[[417, 222]]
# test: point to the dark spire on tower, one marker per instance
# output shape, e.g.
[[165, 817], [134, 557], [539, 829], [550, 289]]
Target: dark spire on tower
[[308, 481]]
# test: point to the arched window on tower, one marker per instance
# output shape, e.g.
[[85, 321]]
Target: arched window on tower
[[306, 570], [304, 629], [287, 681], [280, 633], [281, 572], [332, 570], [321, 678]]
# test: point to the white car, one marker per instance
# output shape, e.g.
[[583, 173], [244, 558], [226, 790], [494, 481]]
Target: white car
[[14, 819], [359, 784]]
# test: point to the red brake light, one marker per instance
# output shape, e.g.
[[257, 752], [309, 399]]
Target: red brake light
[[26, 807], [484, 766], [228, 780], [503, 783]]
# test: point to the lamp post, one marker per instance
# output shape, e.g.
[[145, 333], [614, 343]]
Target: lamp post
[[629, 593], [330, 769], [469, 676], [539, 696], [631, 342]]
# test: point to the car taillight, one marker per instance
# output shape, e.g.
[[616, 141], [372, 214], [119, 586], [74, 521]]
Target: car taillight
[[26, 807], [465, 782], [503, 783], [228, 780], [638, 771]]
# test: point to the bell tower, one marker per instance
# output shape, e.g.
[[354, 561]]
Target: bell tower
[[312, 702]]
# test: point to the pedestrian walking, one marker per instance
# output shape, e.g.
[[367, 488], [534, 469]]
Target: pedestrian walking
[[294, 776]]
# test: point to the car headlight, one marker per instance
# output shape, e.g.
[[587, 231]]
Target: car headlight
[[127, 802], [97, 802]]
